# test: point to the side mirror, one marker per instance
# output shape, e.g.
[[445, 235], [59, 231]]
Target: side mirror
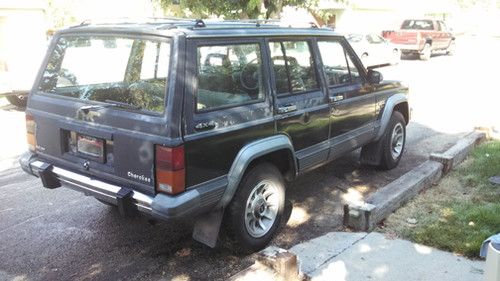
[[374, 77]]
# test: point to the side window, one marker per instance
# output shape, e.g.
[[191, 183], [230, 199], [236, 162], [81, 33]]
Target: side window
[[293, 66], [228, 75], [374, 39], [442, 26], [338, 65], [155, 61]]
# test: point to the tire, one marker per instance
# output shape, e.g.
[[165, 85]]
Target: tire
[[426, 52], [396, 56], [249, 208], [450, 51], [18, 100], [394, 141]]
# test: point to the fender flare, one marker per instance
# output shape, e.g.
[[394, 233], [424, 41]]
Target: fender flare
[[249, 153], [390, 104]]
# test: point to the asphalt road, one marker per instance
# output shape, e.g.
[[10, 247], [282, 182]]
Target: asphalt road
[[60, 234]]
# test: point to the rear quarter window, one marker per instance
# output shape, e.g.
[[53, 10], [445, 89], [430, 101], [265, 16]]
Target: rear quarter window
[[109, 69], [418, 24]]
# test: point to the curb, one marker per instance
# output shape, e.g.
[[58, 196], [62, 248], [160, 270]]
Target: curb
[[457, 153], [364, 216], [379, 205]]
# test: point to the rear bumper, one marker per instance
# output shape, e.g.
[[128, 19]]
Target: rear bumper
[[415, 48], [194, 201]]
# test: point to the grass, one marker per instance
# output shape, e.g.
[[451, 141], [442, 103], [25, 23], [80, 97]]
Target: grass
[[460, 212]]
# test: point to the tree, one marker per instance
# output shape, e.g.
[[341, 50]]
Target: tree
[[232, 9]]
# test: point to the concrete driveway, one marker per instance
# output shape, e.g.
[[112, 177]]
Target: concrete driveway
[[60, 234]]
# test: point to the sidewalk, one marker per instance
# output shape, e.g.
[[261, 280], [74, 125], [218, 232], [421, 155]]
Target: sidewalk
[[371, 256]]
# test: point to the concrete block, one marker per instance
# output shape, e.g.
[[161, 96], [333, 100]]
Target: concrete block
[[457, 153], [283, 262], [255, 272], [366, 216], [357, 215]]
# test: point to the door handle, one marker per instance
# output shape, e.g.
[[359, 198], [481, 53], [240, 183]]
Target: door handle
[[336, 98], [287, 109], [203, 126]]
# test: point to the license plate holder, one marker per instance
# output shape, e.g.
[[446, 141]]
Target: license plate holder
[[90, 147]]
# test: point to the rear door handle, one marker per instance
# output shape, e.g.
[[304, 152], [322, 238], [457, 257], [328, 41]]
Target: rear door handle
[[336, 98], [204, 126], [287, 109]]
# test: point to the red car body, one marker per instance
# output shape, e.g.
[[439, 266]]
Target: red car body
[[421, 37]]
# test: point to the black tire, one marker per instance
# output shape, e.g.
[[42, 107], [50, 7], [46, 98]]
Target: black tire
[[388, 160], [426, 52], [235, 221], [19, 101], [450, 51]]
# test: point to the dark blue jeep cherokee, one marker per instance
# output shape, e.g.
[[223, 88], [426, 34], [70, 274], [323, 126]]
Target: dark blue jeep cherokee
[[185, 119]]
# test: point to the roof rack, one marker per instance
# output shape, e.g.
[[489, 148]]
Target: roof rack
[[174, 22], [257, 22]]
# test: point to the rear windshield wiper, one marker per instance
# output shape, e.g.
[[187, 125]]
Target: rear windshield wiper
[[110, 103]]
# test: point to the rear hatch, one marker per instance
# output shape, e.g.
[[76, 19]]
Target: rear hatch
[[99, 106], [411, 31], [404, 37]]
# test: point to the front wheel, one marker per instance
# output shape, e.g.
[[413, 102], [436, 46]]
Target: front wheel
[[451, 48], [426, 52], [394, 140], [254, 215]]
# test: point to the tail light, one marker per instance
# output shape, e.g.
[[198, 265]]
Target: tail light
[[169, 169], [30, 132]]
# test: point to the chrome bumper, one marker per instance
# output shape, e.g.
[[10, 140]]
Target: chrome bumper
[[196, 200], [408, 47], [91, 187]]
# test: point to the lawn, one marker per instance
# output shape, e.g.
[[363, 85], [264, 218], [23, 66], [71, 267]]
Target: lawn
[[460, 212]]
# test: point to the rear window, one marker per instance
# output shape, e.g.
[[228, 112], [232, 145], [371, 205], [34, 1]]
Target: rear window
[[418, 24], [131, 71]]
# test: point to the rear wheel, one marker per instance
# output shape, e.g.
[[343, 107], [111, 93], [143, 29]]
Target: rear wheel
[[254, 215], [426, 52], [396, 56], [18, 100], [394, 140]]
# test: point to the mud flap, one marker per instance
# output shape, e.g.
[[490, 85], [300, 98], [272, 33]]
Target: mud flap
[[207, 227], [371, 154], [49, 180]]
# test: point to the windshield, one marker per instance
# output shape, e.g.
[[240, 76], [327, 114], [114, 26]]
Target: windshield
[[132, 71], [418, 24]]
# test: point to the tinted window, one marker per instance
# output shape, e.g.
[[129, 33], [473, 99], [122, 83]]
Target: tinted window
[[338, 65], [228, 75], [293, 66], [418, 24], [106, 69], [442, 26]]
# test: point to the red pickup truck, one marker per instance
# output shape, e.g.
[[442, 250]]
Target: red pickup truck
[[422, 37]]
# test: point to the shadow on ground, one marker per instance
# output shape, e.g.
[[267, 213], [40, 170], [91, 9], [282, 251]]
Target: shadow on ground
[[59, 234]]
